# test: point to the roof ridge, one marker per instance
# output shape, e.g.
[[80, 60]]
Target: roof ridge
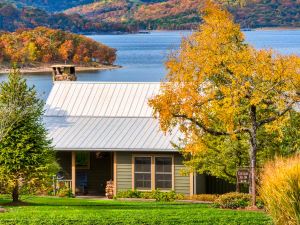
[[85, 116], [109, 82]]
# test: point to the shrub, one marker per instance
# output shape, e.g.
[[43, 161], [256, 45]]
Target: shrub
[[233, 200], [129, 194], [204, 197], [156, 194], [65, 192], [280, 190]]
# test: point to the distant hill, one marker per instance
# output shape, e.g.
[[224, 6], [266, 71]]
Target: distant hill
[[170, 14], [49, 5], [268, 13], [60, 5], [178, 14], [12, 18], [131, 15]]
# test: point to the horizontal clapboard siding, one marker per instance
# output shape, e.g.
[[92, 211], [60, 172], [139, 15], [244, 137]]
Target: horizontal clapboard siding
[[182, 183], [124, 172]]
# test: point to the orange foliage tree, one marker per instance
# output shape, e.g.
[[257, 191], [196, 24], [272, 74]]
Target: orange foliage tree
[[44, 45], [219, 86], [66, 50]]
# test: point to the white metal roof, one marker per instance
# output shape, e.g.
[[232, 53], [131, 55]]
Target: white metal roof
[[100, 99], [107, 133], [96, 116]]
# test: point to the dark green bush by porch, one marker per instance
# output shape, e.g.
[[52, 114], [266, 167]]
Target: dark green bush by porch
[[235, 200], [158, 195]]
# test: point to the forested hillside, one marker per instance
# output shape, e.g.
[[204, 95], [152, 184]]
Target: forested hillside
[[60, 5], [49, 5], [178, 14], [131, 15], [13, 18], [268, 13], [44, 45]]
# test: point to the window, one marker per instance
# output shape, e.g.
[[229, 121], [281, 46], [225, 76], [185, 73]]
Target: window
[[163, 172], [153, 172], [142, 172], [83, 160]]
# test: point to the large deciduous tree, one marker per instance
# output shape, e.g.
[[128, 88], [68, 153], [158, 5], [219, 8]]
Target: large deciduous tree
[[219, 86], [26, 156]]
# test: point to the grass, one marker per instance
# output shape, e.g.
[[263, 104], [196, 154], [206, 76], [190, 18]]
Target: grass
[[51, 210]]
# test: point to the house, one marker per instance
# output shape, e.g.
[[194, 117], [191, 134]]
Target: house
[[105, 131]]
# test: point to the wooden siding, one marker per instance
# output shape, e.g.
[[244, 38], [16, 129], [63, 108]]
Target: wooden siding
[[124, 172], [182, 183]]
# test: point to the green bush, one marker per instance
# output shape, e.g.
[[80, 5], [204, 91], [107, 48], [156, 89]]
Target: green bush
[[233, 200], [160, 196], [65, 192], [129, 194]]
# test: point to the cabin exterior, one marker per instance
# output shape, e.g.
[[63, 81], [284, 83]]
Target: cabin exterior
[[105, 131]]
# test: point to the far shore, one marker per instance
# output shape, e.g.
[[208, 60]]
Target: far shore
[[277, 28], [48, 69]]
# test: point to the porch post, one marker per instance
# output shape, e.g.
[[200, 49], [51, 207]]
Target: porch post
[[115, 173], [192, 183], [74, 173]]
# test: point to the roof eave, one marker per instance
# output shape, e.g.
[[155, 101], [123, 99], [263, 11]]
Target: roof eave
[[114, 150]]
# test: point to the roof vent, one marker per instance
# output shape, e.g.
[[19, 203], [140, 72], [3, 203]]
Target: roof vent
[[64, 73]]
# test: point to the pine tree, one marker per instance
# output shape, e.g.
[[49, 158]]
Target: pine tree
[[26, 156]]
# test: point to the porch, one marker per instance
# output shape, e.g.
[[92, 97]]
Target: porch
[[89, 171]]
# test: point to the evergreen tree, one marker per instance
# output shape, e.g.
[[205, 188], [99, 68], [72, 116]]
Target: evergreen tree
[[26, 156]]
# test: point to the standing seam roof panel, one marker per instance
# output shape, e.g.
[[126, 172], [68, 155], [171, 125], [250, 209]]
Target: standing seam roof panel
[[93, 115]]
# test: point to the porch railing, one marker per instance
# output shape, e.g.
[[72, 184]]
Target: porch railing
[[61, 183]]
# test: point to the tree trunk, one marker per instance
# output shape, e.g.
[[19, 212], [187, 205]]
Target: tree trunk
[[237, 187], [253, 151], [15, 193]]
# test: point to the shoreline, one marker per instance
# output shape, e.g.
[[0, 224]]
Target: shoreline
[[277, 28], [48, 69]]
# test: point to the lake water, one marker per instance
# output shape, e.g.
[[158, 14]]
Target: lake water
[[142, 56]]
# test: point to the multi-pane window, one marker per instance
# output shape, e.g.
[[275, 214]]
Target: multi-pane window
[[161, 169], [142, 172], [163, 172]]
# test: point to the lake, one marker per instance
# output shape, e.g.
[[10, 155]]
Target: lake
[[142, 56]]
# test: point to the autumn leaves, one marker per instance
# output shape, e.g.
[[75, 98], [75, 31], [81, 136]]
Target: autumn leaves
[[44, 45]]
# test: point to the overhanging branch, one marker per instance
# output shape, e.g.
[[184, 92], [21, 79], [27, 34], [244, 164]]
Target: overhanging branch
[[211, 130], [273, 118]]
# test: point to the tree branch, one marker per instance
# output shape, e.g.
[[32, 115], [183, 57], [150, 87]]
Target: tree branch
[[210, 130], [273, 118]]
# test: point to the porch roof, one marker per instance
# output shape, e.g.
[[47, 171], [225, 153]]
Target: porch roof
[[95, 116]]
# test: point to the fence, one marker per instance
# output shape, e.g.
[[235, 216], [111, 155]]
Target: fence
[[61, 183]]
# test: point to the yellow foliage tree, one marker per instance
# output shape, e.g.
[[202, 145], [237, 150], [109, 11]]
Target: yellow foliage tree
[[219, 85]]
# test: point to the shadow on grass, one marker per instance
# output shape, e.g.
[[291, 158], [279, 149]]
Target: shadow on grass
[[108, 204]]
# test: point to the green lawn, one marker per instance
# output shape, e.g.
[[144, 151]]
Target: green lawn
[[50, 210]]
